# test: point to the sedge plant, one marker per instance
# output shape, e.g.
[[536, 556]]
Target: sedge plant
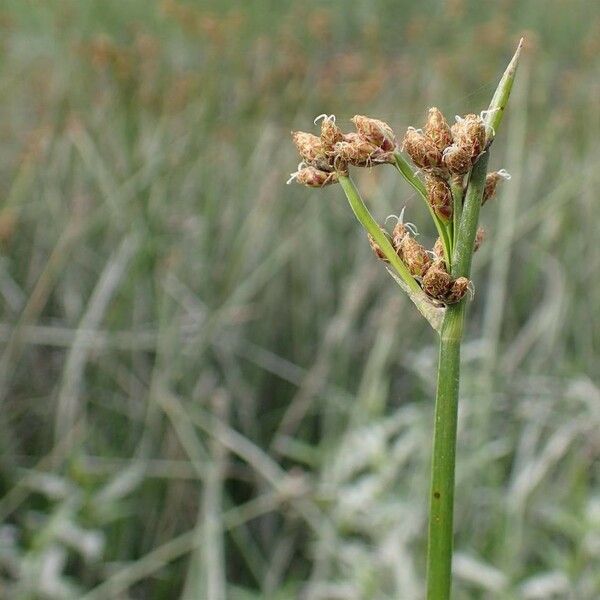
[[452, 178]]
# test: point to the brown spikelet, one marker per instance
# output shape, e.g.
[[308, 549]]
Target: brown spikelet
[[491, 183], [331, 134], [311, 150], [457, 291], [377, 248], [351, 137], [375, 132], [438, 248], [357, 153], [415, 256], [421, 149], [361, 153], [439, 196], [399, 232], [469, 132], [479, 238], [306, 143], [437, 129], [457, 159], [313, 177], [437, 281]]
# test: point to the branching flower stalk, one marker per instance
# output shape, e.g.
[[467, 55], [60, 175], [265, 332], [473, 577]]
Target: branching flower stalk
[[453, 180]]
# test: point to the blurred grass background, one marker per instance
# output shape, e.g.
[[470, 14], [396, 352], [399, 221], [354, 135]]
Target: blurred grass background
[[210, 389]]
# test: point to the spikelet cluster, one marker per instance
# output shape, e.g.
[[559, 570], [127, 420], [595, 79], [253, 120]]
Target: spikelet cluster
[[427, 267], [446, 154], [373, 143]]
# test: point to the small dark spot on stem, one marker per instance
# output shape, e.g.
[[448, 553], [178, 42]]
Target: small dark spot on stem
[[436, 495]]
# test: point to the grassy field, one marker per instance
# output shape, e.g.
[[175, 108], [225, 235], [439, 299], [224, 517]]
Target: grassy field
[[210, 388]]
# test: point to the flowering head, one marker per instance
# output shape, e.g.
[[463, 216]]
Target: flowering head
[[438, 248], [414, 255], [311, 150], [469, 132], [437, 280], [437, 129], [331, 134], [491, 183], [312, 177], [421, 149], [377, 248], [375, 132], [457, 291], [457, 159], [361, 153], [439, 196]]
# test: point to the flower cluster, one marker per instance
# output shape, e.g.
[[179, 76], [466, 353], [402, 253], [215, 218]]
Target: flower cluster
[[444, 155], [323, 157], [428, 267]]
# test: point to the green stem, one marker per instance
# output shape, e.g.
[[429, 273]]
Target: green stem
[[441, 509], [457, 202], [374, 229], [439, 553], [465, 238], [406, 171]]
